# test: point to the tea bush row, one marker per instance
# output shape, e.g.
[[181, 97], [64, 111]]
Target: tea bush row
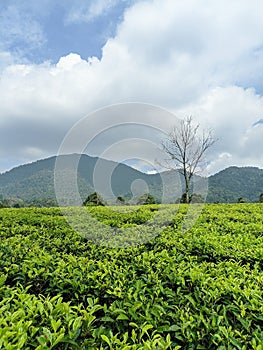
[[200, 288]]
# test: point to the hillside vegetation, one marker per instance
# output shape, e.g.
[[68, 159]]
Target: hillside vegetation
[[233, 183], [195, 289], [34, 183]]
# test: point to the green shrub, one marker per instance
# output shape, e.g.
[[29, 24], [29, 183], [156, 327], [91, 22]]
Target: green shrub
[[195, 289]]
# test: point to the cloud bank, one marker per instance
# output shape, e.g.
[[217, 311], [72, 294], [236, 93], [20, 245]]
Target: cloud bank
[[190, 57]]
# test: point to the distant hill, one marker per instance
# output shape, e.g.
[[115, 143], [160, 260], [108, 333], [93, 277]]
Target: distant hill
[[234, 182], [34, 182]]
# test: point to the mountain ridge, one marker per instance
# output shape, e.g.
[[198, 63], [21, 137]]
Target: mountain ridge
[[35, 181]]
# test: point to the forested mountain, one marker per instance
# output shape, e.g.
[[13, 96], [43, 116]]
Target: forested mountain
[[232, 183], [34, 182]]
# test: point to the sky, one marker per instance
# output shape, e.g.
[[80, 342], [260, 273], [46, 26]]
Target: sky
[[62, 60]]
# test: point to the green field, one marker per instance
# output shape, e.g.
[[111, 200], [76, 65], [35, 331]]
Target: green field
[[200, 288]]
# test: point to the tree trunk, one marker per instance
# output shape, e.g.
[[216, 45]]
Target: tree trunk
[[187, 197]]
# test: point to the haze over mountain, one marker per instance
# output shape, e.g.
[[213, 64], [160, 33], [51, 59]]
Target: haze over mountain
[[34, 182]]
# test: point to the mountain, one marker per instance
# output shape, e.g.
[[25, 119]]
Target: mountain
[[34, 182], [234, 182]]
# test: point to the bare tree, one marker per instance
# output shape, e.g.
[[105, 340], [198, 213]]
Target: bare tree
[[186, 147]]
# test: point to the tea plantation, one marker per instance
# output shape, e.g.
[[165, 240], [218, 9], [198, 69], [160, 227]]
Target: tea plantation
[[200, 288]]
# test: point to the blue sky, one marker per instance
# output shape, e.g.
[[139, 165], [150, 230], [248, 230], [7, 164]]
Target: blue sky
[[37, 31], [60, 61]]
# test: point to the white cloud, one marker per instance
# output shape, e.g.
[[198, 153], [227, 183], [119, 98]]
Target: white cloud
[[19, 30], [151, 172], [68, 62], [231, 112], [83, 11], [191, 57], [98, 7]]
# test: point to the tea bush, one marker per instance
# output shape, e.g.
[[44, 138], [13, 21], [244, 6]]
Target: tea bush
[[200, 288]]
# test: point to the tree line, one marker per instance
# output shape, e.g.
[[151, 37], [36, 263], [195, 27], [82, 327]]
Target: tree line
[[95, 199]]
